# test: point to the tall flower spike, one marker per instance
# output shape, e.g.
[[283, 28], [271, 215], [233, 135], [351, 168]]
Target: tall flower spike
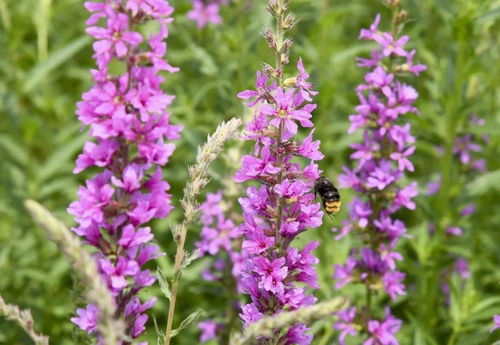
[[283, 206], [383, 157], [128, 119]]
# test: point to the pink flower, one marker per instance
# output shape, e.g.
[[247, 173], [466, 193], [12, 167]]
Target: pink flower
[[204, 13], [87, 318]]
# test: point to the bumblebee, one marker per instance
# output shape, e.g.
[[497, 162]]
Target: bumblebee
[[329, 194]]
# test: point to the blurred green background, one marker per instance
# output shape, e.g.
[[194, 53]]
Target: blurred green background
[[44, 68]]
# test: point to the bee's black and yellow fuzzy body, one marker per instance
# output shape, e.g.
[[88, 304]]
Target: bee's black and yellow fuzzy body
[[329, 195]]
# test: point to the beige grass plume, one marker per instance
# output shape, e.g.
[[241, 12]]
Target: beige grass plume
[[111, 330], [23, 319]]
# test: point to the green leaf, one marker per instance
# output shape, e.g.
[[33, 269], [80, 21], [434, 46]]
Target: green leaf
[[63, 154], [15, 151], [187, 321], [161, 335], [190, 258], [485, 183], [164, 283], [40, 71]]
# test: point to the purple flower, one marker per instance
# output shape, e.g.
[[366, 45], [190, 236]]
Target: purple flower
[[208, 330], [302, 83], [205, 12], [129, 121], [496, 319], [391, 46], [345, 324], [433, 187], [272, 273], [467, 210], [403, 162], [87, 318], [462, 267], [115, 39], [382, 332], [250, 314], [409, 66], [463, 148], [393, 283], [373, 31], [454, 231], [285, 112], [297, 335], [262, 92]]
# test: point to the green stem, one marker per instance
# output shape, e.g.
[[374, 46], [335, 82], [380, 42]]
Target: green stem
[[179, 258], [279, 80]]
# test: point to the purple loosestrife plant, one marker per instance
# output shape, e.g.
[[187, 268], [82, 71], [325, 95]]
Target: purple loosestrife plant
[[466, 151], [468, 164], [206, 12], [283, 206], [221, 239], [383, 158], [130, 125]]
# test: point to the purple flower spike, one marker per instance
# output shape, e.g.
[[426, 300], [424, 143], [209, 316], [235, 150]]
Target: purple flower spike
[[275, 273], [382, 159], [129, 121]]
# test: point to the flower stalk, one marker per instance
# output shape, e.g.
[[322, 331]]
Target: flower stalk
[[130, 124], [24, 319], [283, 206], [97, 292], [382, 161]]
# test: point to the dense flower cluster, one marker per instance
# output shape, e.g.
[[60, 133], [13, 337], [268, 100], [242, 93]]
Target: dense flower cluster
[[128, 119], [206, 11], [221, 239], [382, 160], [283, 206], [219, 235]]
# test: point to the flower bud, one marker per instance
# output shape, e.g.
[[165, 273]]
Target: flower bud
[[401, 17], [393, 3], [289, 22]]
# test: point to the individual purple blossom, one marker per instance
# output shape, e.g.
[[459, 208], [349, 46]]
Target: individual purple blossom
[[297, 335], [464, 146], [467, 210], [128, 118], [346, 324], [382, 158], [302, 83], [87, 318], [410, 66], [383, 332], [206, 11], [208, 330], [462, 268], [250, 314], [496, 319], [454, 231], [433, 187]]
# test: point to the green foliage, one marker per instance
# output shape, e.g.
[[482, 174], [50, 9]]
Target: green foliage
[[44, 64]]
